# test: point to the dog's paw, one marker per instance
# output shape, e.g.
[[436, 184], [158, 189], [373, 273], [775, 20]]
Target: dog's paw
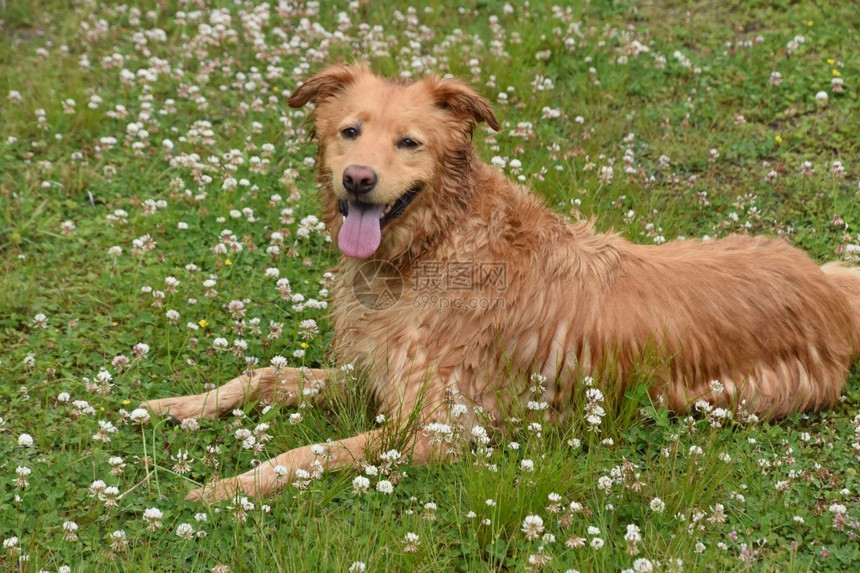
[[179, 408], [222, 490]]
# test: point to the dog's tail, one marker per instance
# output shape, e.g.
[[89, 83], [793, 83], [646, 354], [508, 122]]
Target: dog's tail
[[847, 279]]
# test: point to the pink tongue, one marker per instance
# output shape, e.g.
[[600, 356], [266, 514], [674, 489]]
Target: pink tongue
[[361, 233]]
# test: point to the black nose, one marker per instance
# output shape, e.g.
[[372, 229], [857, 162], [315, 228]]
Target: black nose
[[358, 179]]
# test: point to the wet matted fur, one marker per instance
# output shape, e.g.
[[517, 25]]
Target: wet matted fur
[[490, 284]]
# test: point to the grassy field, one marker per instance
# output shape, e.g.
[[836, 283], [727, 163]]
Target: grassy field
[[155, 188]]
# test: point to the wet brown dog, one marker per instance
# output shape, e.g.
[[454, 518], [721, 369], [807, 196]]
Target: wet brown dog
[[457, 285]]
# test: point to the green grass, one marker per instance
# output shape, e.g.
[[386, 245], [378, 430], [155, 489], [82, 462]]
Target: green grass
[[703, 84]]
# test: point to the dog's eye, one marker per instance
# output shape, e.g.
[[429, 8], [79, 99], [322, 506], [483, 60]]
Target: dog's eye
[[408, 143], [349, 133]]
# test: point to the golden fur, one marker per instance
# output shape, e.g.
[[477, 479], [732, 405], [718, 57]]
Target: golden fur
[[779, 332]]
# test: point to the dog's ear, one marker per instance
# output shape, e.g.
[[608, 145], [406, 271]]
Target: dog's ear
[[326, 84], [461, 100]]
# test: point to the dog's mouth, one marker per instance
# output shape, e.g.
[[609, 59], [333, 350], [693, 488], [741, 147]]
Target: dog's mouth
[[363, 222]]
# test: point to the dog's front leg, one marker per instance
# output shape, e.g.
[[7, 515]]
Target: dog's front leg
[[283, 385], [273, 474]]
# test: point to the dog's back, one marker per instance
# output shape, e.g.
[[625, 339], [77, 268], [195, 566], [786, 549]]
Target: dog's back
[[847, 279], [754, 313]]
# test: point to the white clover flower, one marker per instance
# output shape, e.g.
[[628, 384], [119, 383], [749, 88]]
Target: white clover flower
[[458, 410], [604, 483], [360, 484], [139, 416], [411, 542], [97, 488], [527, 465], [657, 505], [25, 441], [384, 486], [532, 527], [140, 349], [118, 540], [152, 516], [606, 174], [246, 437], [23, 473], [278, 363], [71, 530], [594, 395], [633, 534], [548, 538], [10, 544], [281, 473], [837, 508], [439, 432], [185, 531]]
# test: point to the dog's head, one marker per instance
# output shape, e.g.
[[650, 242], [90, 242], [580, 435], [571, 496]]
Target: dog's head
[[384, 146]]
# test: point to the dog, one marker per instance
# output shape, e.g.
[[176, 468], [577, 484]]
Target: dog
[[459, 291]]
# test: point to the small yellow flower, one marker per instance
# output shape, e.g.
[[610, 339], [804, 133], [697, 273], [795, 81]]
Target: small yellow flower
[[304, 344], [830, 61], [228, 262], [275, 89], [778, 138], [203, 323], [810, 23], [126, 402], [836, 72]]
